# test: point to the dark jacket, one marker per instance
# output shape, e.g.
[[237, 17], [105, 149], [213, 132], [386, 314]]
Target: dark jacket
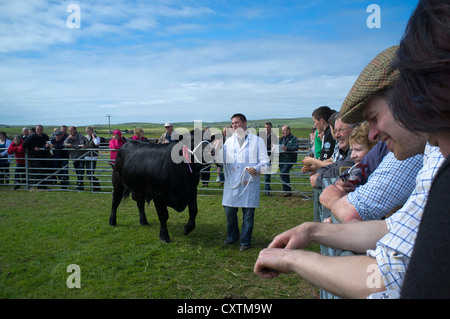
[[290, 154], [58, 151], [327, 145], [33, 141]]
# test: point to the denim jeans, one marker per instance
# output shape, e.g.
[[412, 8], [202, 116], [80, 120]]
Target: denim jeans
[[267, 179], [233, 227], [284, 170]]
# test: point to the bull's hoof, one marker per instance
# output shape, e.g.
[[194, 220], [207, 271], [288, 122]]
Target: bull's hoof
[[143, 223], [188, 228], [112, 223], [166, 239], [164, 236]]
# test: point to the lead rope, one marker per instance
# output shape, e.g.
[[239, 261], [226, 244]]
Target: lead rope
[[240, 179], [186, 151], [195, 149]]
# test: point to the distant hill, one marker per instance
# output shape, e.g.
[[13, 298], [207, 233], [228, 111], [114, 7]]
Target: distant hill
[[300, 126], [300, 122]]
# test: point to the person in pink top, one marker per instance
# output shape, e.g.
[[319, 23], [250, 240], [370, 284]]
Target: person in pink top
[[114, 145], [139, 135]]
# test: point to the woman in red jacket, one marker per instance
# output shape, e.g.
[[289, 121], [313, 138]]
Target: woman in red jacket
[[19, 154]]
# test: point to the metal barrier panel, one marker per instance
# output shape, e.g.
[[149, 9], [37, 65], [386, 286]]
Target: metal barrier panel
[[273, 183], [92, 172], [89, 172], [324, 213]]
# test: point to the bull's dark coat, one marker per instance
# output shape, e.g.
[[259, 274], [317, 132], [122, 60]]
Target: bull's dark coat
[[149, 173]]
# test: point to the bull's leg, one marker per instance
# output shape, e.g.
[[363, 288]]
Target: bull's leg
[[140, 201], [163, 215], [190, 225], [117, 198]]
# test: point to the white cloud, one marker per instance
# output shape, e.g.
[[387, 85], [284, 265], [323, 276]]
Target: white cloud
[[83, 89], [264, 78], [31, 25], [52, 74]]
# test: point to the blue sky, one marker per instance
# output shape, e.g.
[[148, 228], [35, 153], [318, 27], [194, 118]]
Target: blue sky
[[167, 60]]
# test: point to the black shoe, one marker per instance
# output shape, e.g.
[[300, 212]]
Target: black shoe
[[245, 247], [228, 242]]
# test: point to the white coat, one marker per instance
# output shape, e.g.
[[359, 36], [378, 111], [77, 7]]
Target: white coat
[[242, 189]]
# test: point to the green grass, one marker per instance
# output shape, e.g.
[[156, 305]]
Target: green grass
[[42, 233]]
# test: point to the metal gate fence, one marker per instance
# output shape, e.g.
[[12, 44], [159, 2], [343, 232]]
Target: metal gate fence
[[92, 172]]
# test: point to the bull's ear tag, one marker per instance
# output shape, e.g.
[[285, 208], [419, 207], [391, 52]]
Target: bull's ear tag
[[186, 156]]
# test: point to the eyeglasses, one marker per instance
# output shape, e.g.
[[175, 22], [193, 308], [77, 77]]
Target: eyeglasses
[[341, 130]]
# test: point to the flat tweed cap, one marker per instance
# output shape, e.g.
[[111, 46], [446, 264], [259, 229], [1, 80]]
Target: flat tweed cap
[[377, 75]]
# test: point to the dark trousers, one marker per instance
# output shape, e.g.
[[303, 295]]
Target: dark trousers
[[19, 174], [62, 174], [4, 173], [79, 170], [284, 170]]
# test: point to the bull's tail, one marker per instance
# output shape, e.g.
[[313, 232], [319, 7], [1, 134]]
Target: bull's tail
[[126, 193]]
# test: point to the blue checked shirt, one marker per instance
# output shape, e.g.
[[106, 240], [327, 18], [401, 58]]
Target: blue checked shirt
[[394, 250], [387, 188]]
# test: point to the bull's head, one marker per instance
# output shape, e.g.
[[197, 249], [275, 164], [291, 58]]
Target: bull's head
[[194, 147]]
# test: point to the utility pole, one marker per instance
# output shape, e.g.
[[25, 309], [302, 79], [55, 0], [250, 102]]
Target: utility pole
[[109, 124]]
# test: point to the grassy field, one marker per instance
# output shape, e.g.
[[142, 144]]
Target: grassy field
[[42, 233]]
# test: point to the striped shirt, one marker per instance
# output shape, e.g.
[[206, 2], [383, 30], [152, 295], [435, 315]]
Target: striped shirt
[[394, 250], [387, 188]]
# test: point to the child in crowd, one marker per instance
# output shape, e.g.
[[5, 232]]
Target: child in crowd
[[360, 146], [359, 142], [139, 135]]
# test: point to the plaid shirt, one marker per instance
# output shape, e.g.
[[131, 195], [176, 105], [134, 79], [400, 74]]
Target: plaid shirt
[[387, 188], [394, 250]]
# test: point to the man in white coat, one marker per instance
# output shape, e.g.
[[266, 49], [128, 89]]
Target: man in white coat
[[244, 159]]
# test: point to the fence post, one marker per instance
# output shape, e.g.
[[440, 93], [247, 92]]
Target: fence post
[[26, 170]]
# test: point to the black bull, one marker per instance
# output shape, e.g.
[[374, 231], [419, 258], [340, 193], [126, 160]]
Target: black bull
[[168, 174]]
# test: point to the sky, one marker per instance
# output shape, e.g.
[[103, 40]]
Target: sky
[[76, 62]]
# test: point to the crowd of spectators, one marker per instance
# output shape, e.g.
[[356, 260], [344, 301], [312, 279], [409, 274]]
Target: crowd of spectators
[[51, 155], [393, 217], [48, 156]]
